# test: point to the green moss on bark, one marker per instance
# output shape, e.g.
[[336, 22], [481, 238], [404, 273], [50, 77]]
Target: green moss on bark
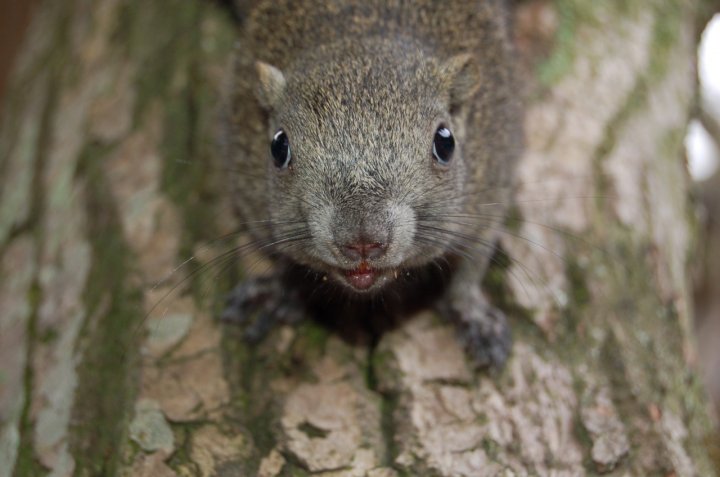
[[572, 14], [177, 54], [27, 463], [107, 388]]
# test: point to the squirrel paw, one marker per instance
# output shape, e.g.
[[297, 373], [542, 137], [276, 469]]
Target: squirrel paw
[[259, 304], [484, 332]]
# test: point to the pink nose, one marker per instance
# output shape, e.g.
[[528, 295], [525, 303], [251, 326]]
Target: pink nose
[[363, 250]]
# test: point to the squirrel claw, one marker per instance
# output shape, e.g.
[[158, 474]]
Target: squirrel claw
[[484, 332], [260, 304], [488, 342]]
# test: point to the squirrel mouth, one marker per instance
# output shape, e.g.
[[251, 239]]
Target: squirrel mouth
[[361, 278]]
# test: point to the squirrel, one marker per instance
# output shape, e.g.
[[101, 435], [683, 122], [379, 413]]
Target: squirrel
[[371, 147]]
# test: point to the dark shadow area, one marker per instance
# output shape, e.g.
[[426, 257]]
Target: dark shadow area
[[15, 17], [362, 320]]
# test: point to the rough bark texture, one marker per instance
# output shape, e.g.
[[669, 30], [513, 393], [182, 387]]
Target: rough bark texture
[[110, 181]]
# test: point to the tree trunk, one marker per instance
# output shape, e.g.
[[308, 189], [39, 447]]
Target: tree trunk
[[113, 363]]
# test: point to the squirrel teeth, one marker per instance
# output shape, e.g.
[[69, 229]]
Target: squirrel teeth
[[362, 277]]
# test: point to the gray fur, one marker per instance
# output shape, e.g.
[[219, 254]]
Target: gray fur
[[360, 88]]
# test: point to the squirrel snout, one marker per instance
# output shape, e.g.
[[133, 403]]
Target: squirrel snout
[[363, 234], [363, 250]]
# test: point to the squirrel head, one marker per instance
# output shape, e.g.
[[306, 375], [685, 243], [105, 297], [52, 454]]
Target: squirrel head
[[365, 152]]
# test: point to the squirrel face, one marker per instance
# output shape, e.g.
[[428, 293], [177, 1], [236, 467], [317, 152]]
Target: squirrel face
[[362, 149]]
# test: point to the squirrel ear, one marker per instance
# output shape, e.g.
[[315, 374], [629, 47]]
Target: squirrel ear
[[463, 78], [272, 84]]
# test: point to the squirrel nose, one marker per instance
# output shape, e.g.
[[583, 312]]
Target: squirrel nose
[[363, 250]]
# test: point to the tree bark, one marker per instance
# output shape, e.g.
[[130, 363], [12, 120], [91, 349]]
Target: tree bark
[[113, 199]]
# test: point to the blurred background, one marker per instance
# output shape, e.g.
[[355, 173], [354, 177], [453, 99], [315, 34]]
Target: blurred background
[[15, 17], [703, 152]]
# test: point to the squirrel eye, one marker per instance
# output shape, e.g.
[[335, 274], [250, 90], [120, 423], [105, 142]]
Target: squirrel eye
[[443, 145], [280, 149]]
